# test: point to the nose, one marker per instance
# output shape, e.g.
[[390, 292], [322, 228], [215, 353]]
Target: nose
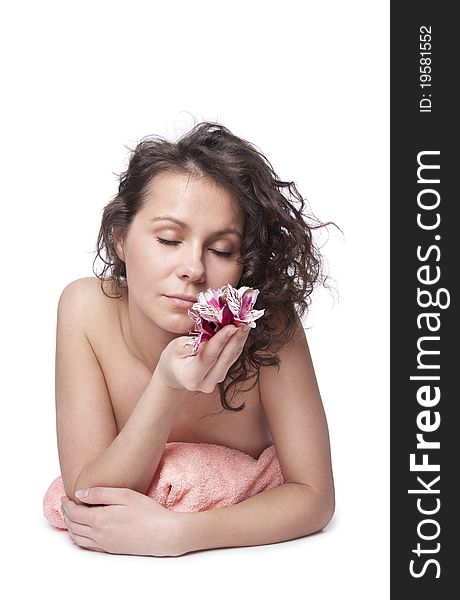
[[191, 267]]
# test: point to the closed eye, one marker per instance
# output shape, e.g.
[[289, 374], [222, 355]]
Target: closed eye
[[175, 243]]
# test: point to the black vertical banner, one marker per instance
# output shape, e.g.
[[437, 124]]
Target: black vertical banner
[[425, 267]]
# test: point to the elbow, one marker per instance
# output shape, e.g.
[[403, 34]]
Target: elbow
[[327, 513], [78, 485], [320, 503], [70, 493], [324, 508], [327, 509], [70, 487]]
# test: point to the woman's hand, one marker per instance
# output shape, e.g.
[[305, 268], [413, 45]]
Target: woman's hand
[[201, 372], [128, 523]]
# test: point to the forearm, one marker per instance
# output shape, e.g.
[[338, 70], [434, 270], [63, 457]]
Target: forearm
[[286, 512], [132, 458]]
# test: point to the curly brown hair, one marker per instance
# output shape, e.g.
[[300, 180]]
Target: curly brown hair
[[279, 256]]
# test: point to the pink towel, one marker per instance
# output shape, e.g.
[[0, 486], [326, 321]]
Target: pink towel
[[195, 477]]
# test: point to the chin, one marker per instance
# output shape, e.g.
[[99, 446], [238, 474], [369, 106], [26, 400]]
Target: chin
[[179, 325]]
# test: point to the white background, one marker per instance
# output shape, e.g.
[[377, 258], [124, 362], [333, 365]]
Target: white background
[[308, 84]]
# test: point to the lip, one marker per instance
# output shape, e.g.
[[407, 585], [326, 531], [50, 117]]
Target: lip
[[181, 301]]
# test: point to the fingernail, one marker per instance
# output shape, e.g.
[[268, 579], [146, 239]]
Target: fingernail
[[230, 332], [246, 328], [81, 493]]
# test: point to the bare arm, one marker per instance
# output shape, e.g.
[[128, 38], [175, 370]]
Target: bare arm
[[286, 512], [91, 451], [133, 457], [305, 502]]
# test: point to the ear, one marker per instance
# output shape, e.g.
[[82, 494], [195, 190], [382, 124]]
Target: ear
[[118, 242]]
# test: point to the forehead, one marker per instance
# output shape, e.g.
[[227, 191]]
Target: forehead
[[190, 195]]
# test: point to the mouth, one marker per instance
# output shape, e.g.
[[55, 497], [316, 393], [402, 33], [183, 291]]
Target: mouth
[[181, 301]]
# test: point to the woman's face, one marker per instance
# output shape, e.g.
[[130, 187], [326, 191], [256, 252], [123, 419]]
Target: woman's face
[[184, 240]]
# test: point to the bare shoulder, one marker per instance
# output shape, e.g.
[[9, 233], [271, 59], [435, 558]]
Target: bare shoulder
[[84, 300]]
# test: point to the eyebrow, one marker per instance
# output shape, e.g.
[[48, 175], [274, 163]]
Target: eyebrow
[[185, 226]]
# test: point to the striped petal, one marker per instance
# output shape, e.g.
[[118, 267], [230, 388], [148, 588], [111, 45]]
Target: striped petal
[[216, 308]]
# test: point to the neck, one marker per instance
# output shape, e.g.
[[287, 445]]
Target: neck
[[144, 339]]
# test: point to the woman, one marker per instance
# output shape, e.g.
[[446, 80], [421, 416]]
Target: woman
[[200, 213]]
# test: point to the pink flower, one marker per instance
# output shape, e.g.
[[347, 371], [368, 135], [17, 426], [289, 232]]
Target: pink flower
[[219, 307]]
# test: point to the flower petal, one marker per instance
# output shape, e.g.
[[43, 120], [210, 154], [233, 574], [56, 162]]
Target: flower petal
[[216, 308]]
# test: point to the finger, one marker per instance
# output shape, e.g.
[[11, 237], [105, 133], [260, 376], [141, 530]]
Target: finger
[[104, 495], [213, 348], [228, 356], [78, 528], [186, 345], [78, 513], [85, 542]]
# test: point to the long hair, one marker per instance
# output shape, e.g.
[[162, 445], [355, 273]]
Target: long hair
[[278, 253]]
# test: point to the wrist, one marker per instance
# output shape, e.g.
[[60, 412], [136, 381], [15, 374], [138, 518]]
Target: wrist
[[159, 379], [183, 532]]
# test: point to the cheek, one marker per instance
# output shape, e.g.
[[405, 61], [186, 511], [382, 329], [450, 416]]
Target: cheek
[[155, 263], [219, 276], [237, 272]]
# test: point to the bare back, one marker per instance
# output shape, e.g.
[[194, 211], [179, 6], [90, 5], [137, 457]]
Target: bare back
[[202, 418]]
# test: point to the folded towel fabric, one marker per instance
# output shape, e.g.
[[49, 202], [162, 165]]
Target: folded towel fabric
[[193, 477]]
